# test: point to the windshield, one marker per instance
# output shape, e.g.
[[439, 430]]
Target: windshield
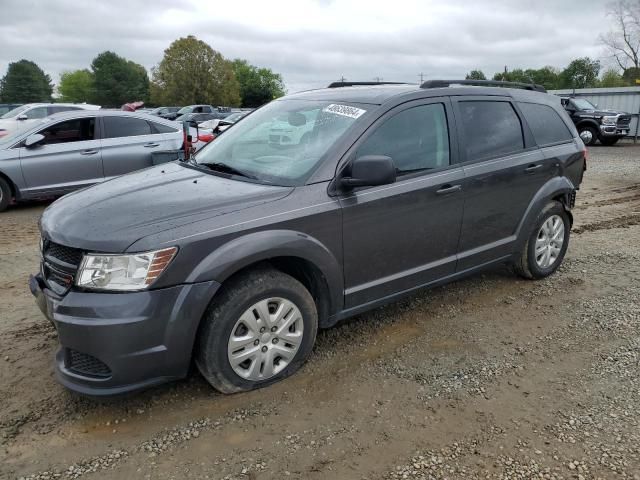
[[184, 110], [282, 142], [15, 112], [583, 104]]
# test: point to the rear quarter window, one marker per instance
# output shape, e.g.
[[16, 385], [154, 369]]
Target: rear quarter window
[[546, 125], [491, 129]]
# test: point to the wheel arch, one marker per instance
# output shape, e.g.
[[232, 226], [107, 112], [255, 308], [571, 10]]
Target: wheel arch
[[559, 189], [295, 253], [12, 184]]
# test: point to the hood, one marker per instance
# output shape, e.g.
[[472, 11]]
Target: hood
[[109, 217], [599, 113]]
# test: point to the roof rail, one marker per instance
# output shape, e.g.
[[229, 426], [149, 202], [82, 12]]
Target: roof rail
[[483, 83], [355, 84]]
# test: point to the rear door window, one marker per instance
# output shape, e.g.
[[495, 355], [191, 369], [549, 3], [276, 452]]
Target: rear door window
[[116, 127], [491, 129], [76, 130], [162, 128], [545, 124]]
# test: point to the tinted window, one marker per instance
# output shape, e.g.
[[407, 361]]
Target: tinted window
[[161, 128], [37, 112], [491, 129], [415, 139], [76, 130], [125, 127], [545, 123]]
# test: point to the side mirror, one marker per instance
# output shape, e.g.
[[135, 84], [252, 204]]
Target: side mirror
[[33, 140], [22, 117], [369, 171]]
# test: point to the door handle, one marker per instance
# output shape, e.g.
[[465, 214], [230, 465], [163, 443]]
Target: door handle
[[92, 151], [532, 168], [151, 145], [447, 189]]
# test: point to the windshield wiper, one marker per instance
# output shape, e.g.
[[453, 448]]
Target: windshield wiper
[[224, 168]]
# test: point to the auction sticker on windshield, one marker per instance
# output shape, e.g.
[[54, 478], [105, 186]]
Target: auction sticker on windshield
[[344, 110]]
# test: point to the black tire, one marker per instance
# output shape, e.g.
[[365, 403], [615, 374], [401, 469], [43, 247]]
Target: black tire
[[225, 310], [609, 141], [5, 194], [592, 136], [527, 266]]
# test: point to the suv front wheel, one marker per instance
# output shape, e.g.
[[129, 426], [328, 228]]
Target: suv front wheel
[[547, 243], [258, 330]]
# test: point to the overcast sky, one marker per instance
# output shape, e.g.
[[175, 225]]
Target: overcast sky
[[310, 42]]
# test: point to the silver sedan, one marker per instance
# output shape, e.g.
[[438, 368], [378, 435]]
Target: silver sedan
[[72, 150]]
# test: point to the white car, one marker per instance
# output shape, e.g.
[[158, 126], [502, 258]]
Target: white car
[[25, 116]]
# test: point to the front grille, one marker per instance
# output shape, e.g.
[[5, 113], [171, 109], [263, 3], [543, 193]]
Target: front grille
[[68, 255], [85, 364], [60, 264]]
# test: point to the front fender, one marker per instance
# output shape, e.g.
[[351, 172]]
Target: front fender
[[554, 188], [590, 122], [250, 249]]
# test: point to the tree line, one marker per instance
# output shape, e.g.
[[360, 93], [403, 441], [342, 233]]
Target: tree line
[[190, 72], [580, 73]]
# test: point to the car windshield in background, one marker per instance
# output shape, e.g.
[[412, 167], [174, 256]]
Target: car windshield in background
[[282, 142], [583, 104], [184, 110], [15, 112], [234, 117]]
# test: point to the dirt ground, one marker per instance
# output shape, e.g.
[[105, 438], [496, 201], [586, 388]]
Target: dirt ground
[[489, 377]]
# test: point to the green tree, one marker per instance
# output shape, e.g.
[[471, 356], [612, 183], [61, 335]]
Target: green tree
[[611, 78], [257, 85], [118, 80], [25, 82], [192, 72], [547, 76], [580, 73], [630, 75], [76, 86], [517, 75], [475, 75]]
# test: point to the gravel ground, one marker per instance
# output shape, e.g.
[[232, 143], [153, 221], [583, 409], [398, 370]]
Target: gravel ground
[[489, 377]]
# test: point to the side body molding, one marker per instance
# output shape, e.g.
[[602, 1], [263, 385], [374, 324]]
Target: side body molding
[[249, 249]]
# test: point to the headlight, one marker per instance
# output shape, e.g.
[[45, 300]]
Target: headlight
[[123, 272], [610, 120]]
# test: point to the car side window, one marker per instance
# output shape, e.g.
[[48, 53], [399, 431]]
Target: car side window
[[116, 127], [545, 124], [37, 112], [162, 128], [492, 128], [416, 139], [76, 130]]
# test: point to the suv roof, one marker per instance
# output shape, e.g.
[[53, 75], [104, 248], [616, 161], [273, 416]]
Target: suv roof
[[379, 93]]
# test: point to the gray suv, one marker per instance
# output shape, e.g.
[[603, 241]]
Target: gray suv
[[236, 258]]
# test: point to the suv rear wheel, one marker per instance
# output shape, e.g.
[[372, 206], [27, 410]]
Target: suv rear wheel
[[547, 243], [259, 330]]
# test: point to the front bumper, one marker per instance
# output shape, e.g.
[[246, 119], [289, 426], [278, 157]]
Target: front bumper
[[122, 342], [613, 131]]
